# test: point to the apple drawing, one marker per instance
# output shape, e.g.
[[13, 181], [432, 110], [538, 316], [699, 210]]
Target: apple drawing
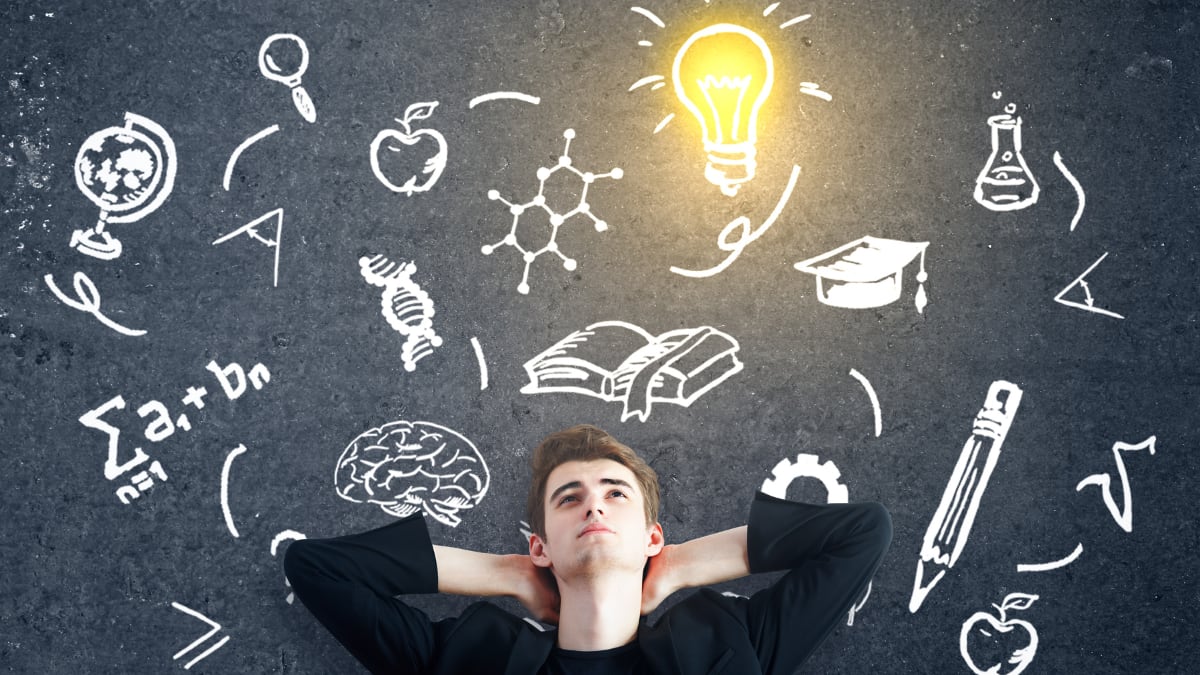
[[1006, 642], [394, 140]]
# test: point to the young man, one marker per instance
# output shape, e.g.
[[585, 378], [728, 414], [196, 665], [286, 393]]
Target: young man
[[597, 563]]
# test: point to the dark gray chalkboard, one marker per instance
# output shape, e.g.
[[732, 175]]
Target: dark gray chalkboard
[[884, 108]]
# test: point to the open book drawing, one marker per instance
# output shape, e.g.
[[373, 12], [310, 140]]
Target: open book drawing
[[618, 361]]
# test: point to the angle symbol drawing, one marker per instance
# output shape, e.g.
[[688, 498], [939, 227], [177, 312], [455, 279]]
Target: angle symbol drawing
[[529, 255], [250, 229], [1089, 302]]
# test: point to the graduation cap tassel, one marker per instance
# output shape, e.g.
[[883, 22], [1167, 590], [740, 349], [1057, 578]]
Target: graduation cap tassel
[[921, 300]]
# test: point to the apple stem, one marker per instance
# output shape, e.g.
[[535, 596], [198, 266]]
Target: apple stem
[[404, 123]]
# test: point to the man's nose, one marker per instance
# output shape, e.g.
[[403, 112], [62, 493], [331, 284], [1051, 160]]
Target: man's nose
[[595, 506]]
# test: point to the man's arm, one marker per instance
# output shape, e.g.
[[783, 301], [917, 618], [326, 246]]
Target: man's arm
[[711, 559], [464, 572]]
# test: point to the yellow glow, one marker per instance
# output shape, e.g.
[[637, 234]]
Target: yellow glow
[[723, 74]]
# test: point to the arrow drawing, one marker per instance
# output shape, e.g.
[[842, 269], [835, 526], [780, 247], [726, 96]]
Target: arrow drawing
[[216, 628], [1089, 303]]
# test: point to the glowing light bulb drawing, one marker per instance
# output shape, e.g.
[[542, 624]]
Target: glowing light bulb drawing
[[272, 70], [723, 75]]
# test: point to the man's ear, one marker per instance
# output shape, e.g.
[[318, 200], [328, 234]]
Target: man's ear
[[655, 540], [537, 551]]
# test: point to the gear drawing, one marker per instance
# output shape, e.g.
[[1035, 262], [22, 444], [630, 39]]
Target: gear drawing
[[809, 466]]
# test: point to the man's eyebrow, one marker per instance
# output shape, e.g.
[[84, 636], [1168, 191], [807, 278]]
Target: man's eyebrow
[[577, 484]]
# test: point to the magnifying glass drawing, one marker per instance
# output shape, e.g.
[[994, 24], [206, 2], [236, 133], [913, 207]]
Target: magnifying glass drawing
[[275, 57]]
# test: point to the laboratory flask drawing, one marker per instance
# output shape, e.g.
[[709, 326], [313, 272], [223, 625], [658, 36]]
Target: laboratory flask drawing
[[1005, 183], [127, 171]]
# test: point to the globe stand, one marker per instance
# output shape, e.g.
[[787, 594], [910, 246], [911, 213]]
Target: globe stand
[[97, 243]]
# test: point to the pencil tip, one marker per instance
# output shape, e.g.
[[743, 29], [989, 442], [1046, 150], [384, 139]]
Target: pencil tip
[[919, 590]]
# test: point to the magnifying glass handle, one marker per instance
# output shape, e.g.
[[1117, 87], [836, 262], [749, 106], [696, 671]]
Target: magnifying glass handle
[[304, 104]]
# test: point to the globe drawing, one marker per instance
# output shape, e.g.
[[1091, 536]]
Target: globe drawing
[[123, 169]]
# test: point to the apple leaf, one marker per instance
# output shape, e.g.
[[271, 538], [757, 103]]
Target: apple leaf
[[1017, 601], [419, 111]]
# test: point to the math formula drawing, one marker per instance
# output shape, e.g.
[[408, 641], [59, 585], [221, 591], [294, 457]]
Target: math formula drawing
[[951, 524], [405, 467], [234, 381], [618, 361]]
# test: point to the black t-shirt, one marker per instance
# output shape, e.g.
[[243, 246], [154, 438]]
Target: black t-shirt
[[623, 660]]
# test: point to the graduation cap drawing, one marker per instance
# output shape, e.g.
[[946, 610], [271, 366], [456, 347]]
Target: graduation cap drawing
[[866, 272]]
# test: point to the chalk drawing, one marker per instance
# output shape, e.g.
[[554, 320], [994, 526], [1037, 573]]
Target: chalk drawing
[[618, 361], [867, 272], [483, 372], [250, 229], [1123, 515], [1075, 184], [723, 74], [89, 302], [1089, 302], [406, 307], [286, 535], [503, 95], [234, 381], [394, 141], [1005, 183], [951, 524], [814, 89], [993, 634], [213, 630], [273, 62], [874, 400], [1054, 564], [237, 152], [128, 172], [225, 488], [741, 224], [649, 15], [556, 219], [836, 492], [795, 20], [406, 467]]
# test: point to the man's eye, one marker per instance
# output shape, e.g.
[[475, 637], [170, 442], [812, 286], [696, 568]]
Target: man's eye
[[617, 493], [565, 499]]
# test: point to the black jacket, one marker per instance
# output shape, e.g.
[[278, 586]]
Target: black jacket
[[830, 551]]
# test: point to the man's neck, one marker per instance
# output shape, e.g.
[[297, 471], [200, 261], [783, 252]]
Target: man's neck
[[599, 613]]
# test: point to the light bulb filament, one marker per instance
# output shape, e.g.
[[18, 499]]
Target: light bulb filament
[[739, 85]]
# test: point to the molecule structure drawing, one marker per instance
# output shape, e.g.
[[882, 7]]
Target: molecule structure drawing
[[557, 219]]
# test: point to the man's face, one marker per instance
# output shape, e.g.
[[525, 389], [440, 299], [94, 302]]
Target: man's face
[[595, 521]]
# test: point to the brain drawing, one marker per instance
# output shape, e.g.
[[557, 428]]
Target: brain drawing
[[409, 466]]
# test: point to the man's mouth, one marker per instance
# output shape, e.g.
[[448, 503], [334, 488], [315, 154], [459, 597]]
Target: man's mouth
[[594, 528]]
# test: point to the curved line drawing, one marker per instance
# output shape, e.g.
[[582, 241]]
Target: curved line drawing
[[225, 488], [89, 302], [237, 152], [735, 249], [792, 22], [649, 15], [874, 400], [646, 80], [814, 89], [503, 95], [1075, 184], [1054, 564], [663, 124], [283, 536], [483, 374]]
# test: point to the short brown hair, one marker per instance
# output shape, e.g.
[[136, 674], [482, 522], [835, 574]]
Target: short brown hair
[[584, 443]]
